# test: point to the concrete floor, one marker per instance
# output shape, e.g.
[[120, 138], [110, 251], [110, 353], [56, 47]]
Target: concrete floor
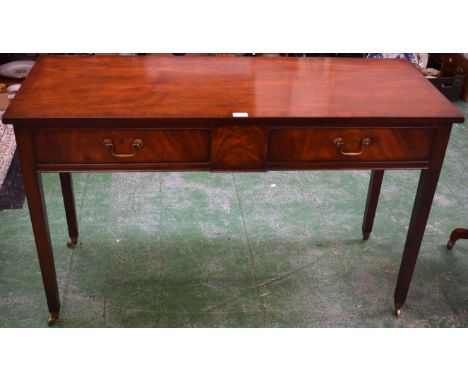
[[278, 249]]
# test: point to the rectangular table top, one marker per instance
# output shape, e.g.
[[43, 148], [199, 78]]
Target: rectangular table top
[[152, 87]]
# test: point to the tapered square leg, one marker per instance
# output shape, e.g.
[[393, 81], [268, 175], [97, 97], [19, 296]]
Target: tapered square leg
[[38, 213], [37, 210], [70, 211], [421, 209], [373, 194]]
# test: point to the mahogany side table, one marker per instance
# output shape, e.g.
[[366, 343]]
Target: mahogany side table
[[114, 113]]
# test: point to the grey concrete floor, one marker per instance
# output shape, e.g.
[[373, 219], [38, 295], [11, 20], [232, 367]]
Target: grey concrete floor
[[277, 249]]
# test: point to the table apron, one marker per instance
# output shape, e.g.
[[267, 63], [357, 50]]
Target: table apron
[[287, 166], [233, 148]]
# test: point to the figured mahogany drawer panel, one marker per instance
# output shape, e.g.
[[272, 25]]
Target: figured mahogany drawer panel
[[239, 147], [350, 144], [152, 146]]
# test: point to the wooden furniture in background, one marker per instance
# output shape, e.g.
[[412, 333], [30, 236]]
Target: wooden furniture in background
[[451, 60], [150, 113]]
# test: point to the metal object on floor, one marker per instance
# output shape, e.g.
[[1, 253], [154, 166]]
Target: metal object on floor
[[458, 233]]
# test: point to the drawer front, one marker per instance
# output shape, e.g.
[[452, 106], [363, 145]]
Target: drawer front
[[239, 148], [350, 144], [122, 146]]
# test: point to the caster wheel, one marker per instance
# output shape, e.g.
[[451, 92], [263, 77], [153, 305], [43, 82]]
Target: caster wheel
[[397, 312], [450, 244], [73, 242], [52, 318]]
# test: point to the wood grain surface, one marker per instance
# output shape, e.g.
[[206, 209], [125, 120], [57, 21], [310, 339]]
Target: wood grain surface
[[73, 88], [86, 146], [302, 145], [239, 147]]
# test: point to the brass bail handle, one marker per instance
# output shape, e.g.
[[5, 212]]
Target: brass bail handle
[[109, 144], [339, 142]]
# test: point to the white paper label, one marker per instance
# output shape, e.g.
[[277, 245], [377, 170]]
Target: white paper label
[[240, 115]]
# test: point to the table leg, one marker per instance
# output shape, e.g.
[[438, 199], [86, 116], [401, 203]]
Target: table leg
[[37, 210], [70, 211], [373, 193], [422, 206]]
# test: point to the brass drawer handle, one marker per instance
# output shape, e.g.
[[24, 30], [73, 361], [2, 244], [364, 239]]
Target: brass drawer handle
[[339, 142], [109, 144]]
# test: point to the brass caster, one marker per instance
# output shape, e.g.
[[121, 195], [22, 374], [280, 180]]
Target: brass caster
[[73, 242], [52, 318], [450, 244], [397, 312]]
